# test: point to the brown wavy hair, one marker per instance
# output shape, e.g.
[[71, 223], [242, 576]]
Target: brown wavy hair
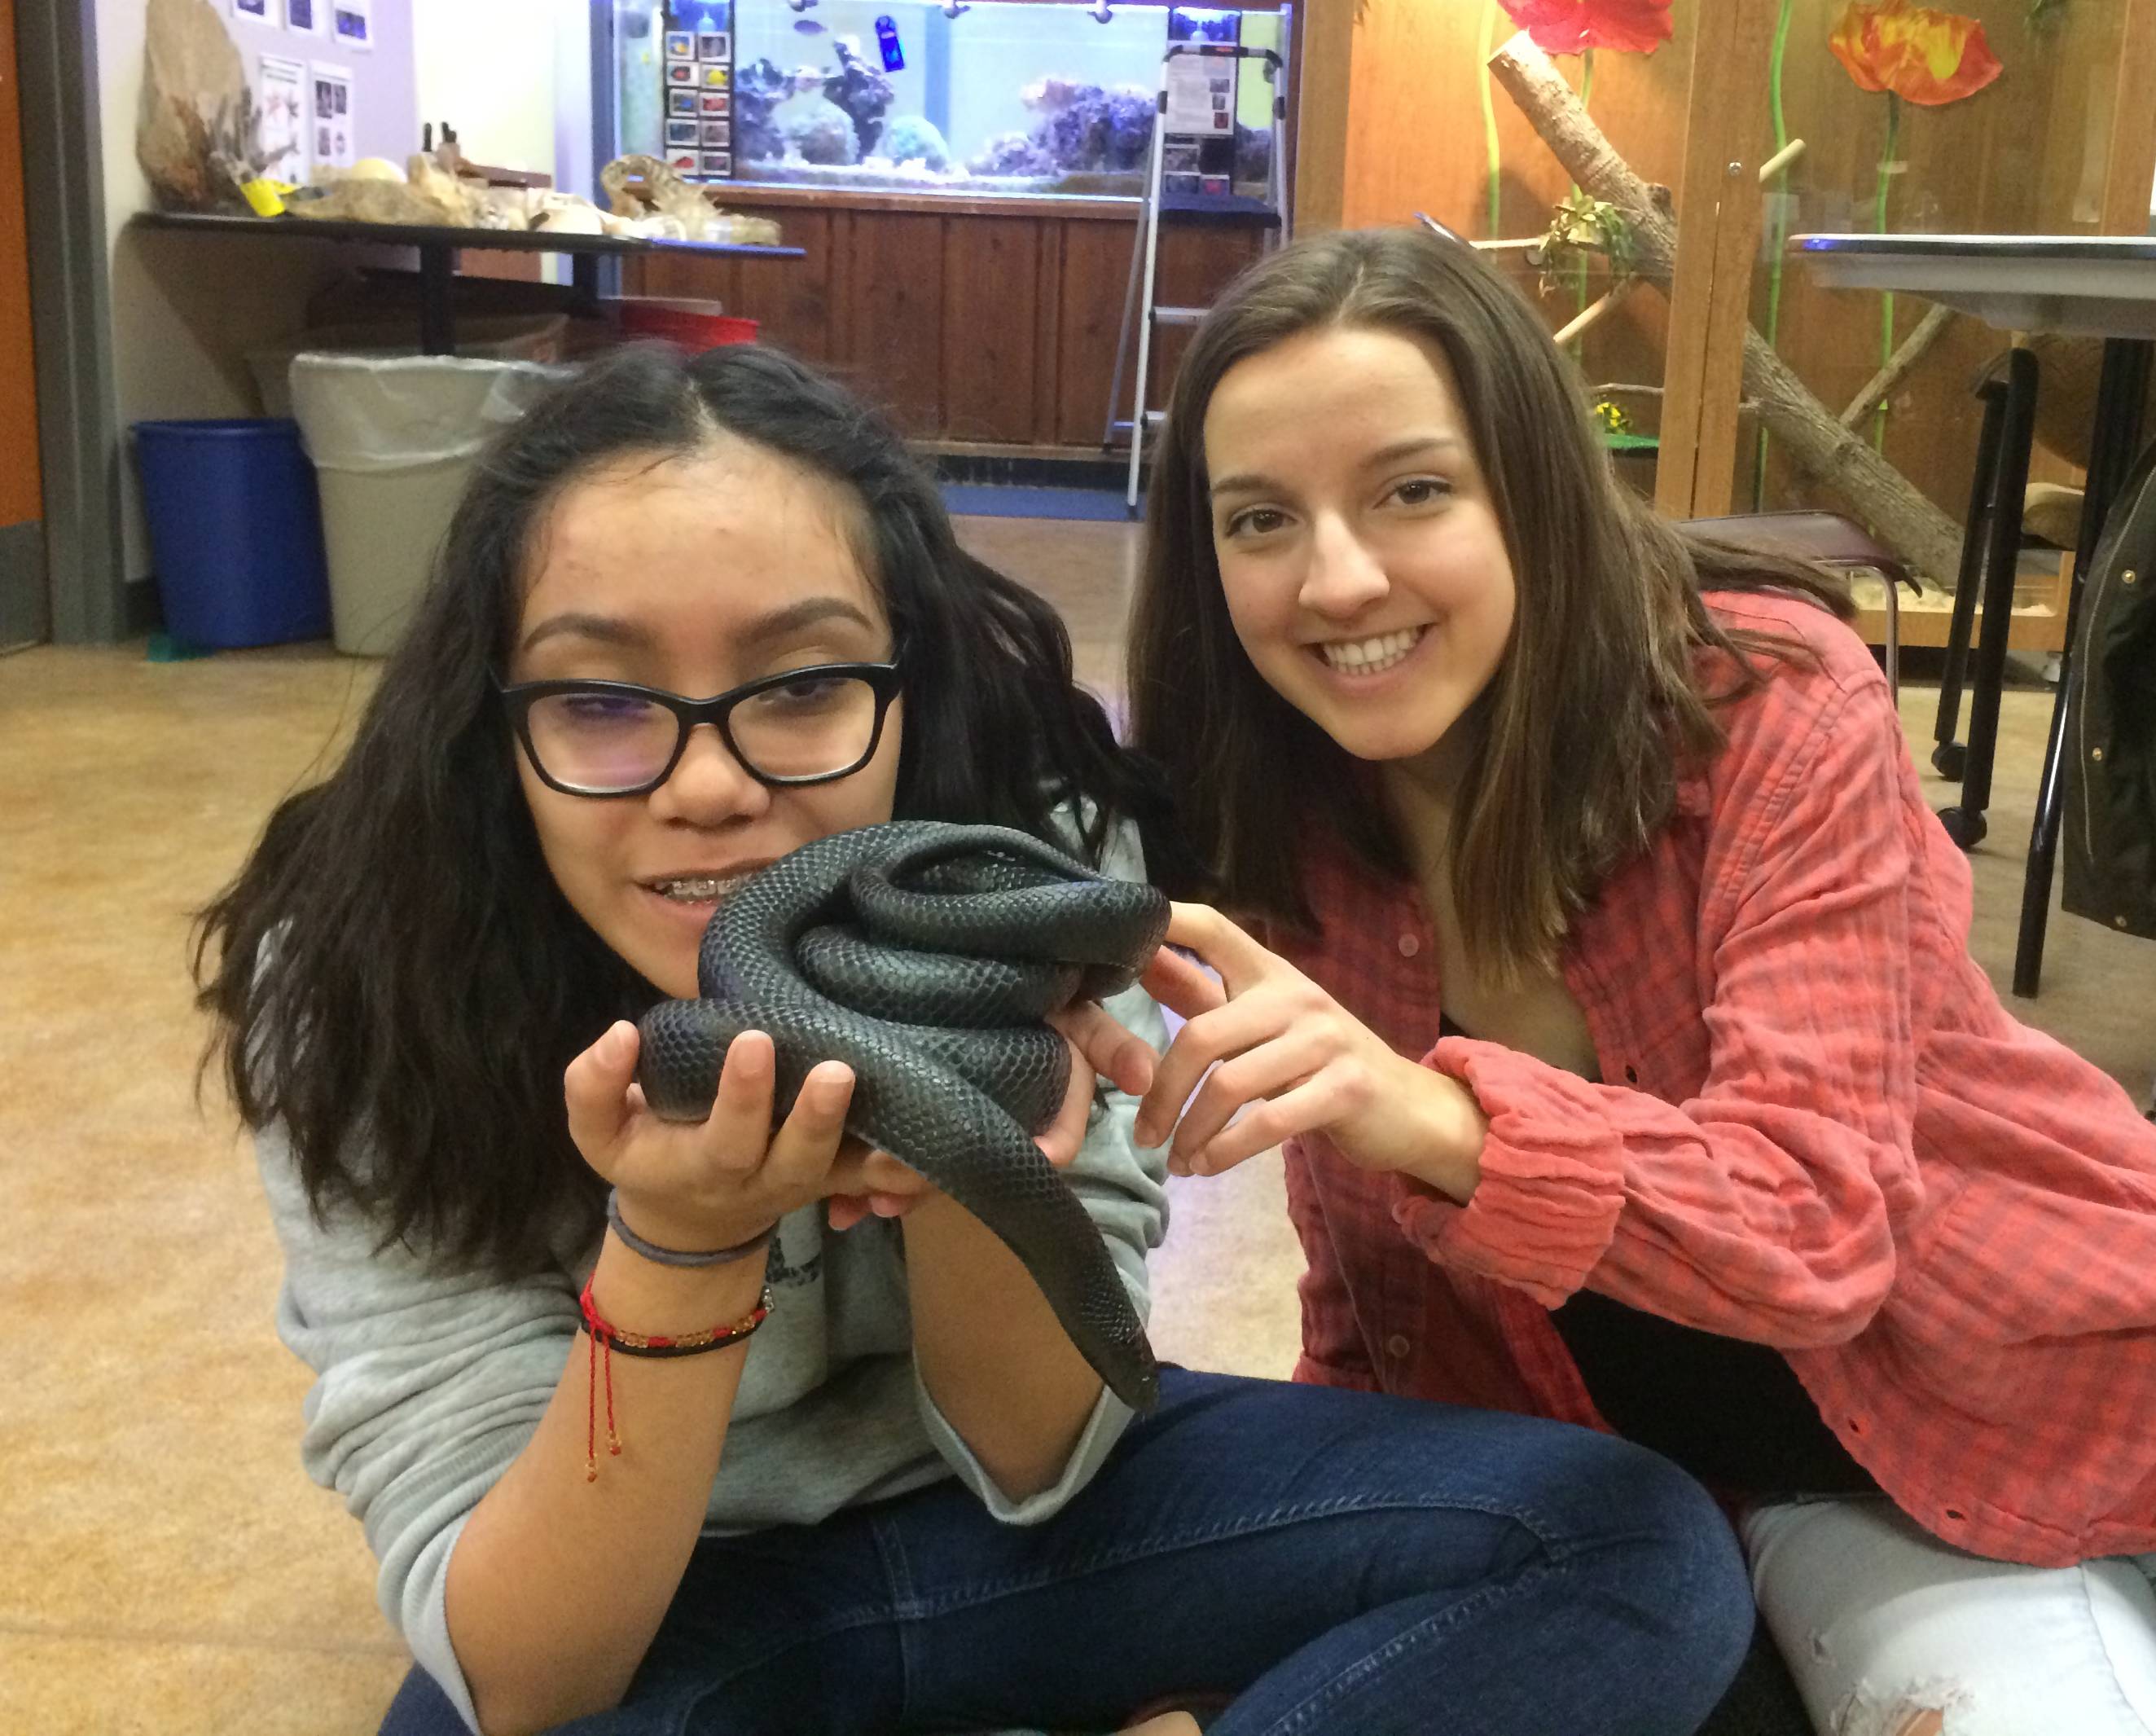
[[394, 976], [1600, 695]]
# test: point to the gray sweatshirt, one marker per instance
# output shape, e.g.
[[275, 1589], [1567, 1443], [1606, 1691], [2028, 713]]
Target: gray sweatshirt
[[431, 1382]]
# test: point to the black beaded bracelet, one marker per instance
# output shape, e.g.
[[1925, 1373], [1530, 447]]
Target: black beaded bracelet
[[675, 1256]]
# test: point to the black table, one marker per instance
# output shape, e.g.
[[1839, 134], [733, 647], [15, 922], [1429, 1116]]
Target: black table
[[2088, 286], [439, 244]]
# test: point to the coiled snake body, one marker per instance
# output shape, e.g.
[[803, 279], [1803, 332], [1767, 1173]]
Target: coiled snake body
[[923, 955]]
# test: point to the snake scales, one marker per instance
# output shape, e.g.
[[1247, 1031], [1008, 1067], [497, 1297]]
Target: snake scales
[[923, 955]]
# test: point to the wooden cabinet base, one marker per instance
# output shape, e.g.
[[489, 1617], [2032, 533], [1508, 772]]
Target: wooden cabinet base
[[985, 323]]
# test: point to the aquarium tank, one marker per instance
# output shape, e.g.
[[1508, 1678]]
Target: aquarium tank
[[979, 97]]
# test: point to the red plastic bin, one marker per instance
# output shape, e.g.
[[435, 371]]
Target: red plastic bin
[[695, 326]]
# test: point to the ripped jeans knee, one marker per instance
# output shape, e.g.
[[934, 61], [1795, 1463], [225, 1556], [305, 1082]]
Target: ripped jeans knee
[[1888, 1631]]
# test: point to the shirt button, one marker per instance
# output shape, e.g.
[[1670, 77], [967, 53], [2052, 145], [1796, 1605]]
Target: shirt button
[[1409, 945], [1397, 1346]]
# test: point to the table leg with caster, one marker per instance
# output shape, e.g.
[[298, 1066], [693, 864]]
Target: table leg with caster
[[1948, 757], [1965, 820]]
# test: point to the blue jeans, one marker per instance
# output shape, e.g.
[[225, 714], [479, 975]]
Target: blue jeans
[[1336, 1562]]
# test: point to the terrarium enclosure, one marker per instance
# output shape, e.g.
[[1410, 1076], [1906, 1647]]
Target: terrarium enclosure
[[1992, 117]]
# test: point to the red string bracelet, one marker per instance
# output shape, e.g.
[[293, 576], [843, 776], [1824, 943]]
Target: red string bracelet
[[604, 1338]]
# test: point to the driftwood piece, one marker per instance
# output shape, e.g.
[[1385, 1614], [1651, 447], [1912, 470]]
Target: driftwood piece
[[1907, 355], [1898, 512]]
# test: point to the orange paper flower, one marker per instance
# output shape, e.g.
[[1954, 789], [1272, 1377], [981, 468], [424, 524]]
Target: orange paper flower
[[1572, 27], [1921, 55]]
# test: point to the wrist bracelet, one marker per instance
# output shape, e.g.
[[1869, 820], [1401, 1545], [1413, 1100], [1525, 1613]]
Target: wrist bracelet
[[675, 1256], [604, 1338]]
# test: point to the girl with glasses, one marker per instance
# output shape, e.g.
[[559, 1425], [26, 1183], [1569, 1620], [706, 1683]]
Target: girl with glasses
[[690, 616], [1607, 977]]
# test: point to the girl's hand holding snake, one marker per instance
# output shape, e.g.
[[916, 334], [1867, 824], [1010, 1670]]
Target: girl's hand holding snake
[[721, 1181]]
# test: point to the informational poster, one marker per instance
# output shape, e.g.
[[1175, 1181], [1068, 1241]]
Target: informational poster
[[351, 23], [1201, 94], [330, 118], [285, 134], [306, 15]]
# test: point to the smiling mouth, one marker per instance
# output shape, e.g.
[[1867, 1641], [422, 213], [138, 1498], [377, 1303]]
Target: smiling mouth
[[699, 888], [1369, 656]]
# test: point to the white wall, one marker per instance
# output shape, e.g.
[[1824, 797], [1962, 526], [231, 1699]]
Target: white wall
[[487, 68], [186, 308]]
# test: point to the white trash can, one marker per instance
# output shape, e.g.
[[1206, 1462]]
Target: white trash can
[[392, 439]]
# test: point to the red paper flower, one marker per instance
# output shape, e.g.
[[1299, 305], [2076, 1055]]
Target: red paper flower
[[1571, 27], [1921, 55]]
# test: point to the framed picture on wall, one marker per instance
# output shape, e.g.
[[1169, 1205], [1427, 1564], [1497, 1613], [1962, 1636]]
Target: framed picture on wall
[[304, 15], [330, 116], [680, 102], [681, 132], [718, 132], [714, 45], [351, 23], [718, 163], [257, 10], [717, 102]]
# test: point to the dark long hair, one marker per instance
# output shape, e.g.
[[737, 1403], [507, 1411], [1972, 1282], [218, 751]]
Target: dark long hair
[[1599, 694], [395, 976]]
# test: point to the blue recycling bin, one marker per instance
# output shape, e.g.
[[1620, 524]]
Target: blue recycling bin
[[235, 530]]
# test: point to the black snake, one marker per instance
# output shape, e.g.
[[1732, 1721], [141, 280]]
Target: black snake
[[923, 955]]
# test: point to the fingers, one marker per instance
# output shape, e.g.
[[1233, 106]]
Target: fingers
[[1181, 985], [1203, 930], [1125, 1060], [1060, 1140], [1317, 1103], [1265, 1071], [596, 1087], [1211, 1037], [739, 1125], [804, 1149]]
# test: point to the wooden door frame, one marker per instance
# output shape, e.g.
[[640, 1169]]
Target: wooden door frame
[[78, 436], [2130, 162], [1718, 211]]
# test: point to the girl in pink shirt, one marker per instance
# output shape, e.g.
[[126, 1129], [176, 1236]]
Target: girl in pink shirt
[[1606, 979]]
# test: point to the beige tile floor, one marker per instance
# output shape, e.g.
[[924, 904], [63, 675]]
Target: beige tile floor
[[165, 1567]]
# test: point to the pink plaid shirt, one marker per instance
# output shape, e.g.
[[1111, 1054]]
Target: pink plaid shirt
[[1821, 1132]]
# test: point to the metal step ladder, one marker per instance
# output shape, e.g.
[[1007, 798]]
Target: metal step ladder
[[1140, 308]]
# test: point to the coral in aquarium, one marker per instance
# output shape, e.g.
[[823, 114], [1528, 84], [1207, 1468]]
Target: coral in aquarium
[[759, 88], [1916, 54], [1087, 127], [1574, 27], [1014, 153], [913, 138], [862, 91], [820, 131]]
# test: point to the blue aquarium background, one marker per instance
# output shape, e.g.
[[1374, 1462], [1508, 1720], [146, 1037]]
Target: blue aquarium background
[[1020, 99]]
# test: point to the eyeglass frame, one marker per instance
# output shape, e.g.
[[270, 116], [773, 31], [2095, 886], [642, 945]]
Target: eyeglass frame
[[519, 697]]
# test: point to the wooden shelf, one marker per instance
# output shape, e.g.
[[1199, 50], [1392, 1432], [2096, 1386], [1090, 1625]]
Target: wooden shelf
[[2039, 612]]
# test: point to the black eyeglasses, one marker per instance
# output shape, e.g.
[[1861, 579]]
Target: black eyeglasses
[[614, 739]]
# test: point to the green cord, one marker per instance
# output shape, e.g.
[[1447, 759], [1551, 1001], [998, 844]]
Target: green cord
[[1780, 233], [1879, 227], [1490, 120]]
